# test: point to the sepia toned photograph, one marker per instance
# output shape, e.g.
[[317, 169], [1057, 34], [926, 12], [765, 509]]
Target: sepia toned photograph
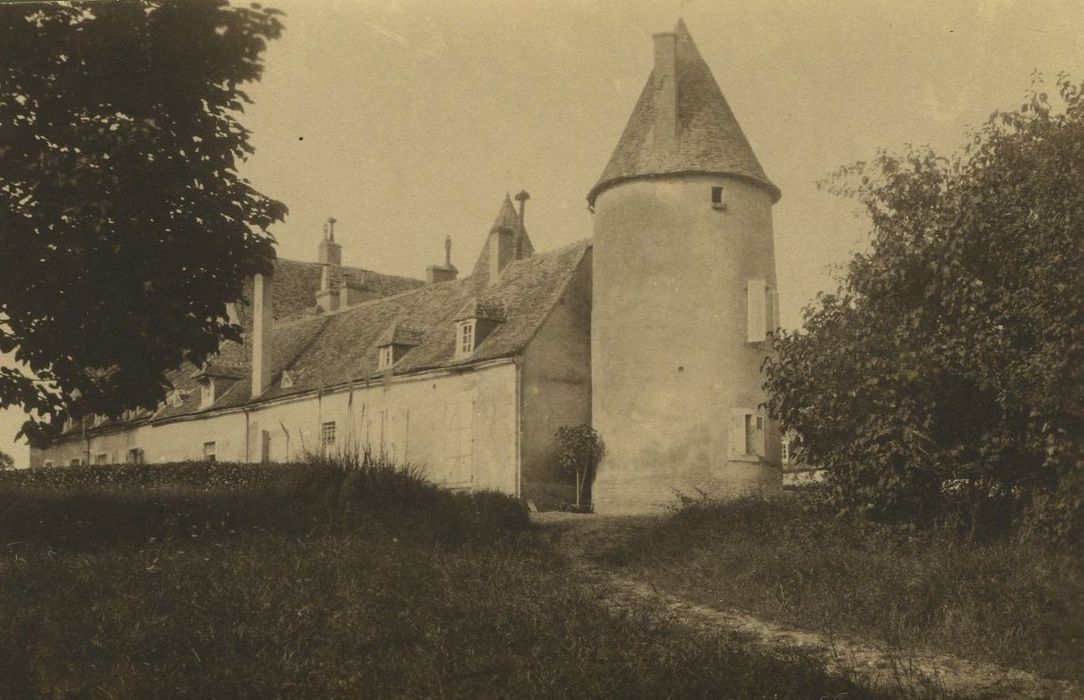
[[554, 349]]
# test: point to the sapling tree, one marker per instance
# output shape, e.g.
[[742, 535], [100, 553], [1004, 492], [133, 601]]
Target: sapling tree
[[579, 449]]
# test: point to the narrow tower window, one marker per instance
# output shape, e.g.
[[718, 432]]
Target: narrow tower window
[[717, 198]]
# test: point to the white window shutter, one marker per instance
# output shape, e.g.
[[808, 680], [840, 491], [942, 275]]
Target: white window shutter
[[755, 310]]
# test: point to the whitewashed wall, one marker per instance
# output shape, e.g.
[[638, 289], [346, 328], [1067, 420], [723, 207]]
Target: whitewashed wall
[[459, 428]]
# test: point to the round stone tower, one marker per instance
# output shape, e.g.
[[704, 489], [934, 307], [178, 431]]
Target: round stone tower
[[683, 297]]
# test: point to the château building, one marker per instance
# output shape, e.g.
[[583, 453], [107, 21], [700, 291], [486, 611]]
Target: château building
[[653, 330]]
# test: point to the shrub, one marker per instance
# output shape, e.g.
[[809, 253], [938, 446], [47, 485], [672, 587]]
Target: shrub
[[943, 381], [579, 448]]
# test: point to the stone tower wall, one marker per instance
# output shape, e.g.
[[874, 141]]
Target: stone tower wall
[[670, 356]]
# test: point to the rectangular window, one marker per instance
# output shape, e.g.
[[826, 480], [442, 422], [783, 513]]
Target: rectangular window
[[76, 462], [756, 299], [327, 434], [102, 458], [466, 338], [209, 452], [207, 393], [386, 357], [135, 456], [717, 198], [747, 431]]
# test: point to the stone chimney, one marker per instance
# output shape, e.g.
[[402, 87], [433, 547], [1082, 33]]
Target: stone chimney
[[666, 91], [262, 328], [502, 243], [330, 255], [355, 290], [445, 272]]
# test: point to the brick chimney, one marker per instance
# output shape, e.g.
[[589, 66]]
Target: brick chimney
[[262, 328], [502, 244], [666, 90], [330, 255], [445, 272]]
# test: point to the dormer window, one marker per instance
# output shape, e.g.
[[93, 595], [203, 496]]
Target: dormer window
[[465, 337], [387, 357], [287, 379], [207, 393], [717, 198]]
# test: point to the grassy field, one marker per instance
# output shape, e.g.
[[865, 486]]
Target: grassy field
[[325, 582], [792, 562]]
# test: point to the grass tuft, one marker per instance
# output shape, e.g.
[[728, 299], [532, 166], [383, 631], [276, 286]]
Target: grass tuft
[[331, 579], [792, 561]]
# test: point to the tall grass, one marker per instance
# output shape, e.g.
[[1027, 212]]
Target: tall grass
[[353, 579], [794, 562]]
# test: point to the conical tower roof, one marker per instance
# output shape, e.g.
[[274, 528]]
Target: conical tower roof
[[682, 124]]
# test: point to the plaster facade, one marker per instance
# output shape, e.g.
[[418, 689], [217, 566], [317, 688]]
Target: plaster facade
[[669, 336]]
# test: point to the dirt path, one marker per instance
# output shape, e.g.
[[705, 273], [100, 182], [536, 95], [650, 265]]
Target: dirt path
[[914, 672]]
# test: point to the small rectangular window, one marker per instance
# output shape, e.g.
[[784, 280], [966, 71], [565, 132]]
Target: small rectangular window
[[209, 452], [717, 198], [207, 394], [135, 456], [387, 356], [102, 458], [76, 462], [327, 434], [747, 434], [466, 338]]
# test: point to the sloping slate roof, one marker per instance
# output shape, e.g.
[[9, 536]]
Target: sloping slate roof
[[296, 284], [709, 139], [333, 349]]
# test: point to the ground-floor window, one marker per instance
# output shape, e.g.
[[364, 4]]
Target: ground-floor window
[[209, 451], [75, 462], [102, 458], [327, 435], [747, 433], [135, 456]]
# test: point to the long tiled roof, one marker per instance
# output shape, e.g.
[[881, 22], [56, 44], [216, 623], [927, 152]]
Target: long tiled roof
[[708, 139], [326, 350], [296, 284]]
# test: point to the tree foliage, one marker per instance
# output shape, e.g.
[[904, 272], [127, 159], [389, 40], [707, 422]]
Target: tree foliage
[[125, 228], [947, 373], [579, 449]]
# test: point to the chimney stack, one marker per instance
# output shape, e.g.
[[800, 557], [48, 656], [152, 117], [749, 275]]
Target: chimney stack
[[666, 97], [330, 254], [445, 272], [522, 198], [262, 328], [502, 241]]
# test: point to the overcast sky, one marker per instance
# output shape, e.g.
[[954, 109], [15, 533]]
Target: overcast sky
[[408, 121]]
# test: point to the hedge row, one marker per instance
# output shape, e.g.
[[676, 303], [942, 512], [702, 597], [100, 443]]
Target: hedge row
[[209, 476]]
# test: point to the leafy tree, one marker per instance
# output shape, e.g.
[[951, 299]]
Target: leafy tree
[[6, 461], [125, 228], [579, 449], [946, 376]]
